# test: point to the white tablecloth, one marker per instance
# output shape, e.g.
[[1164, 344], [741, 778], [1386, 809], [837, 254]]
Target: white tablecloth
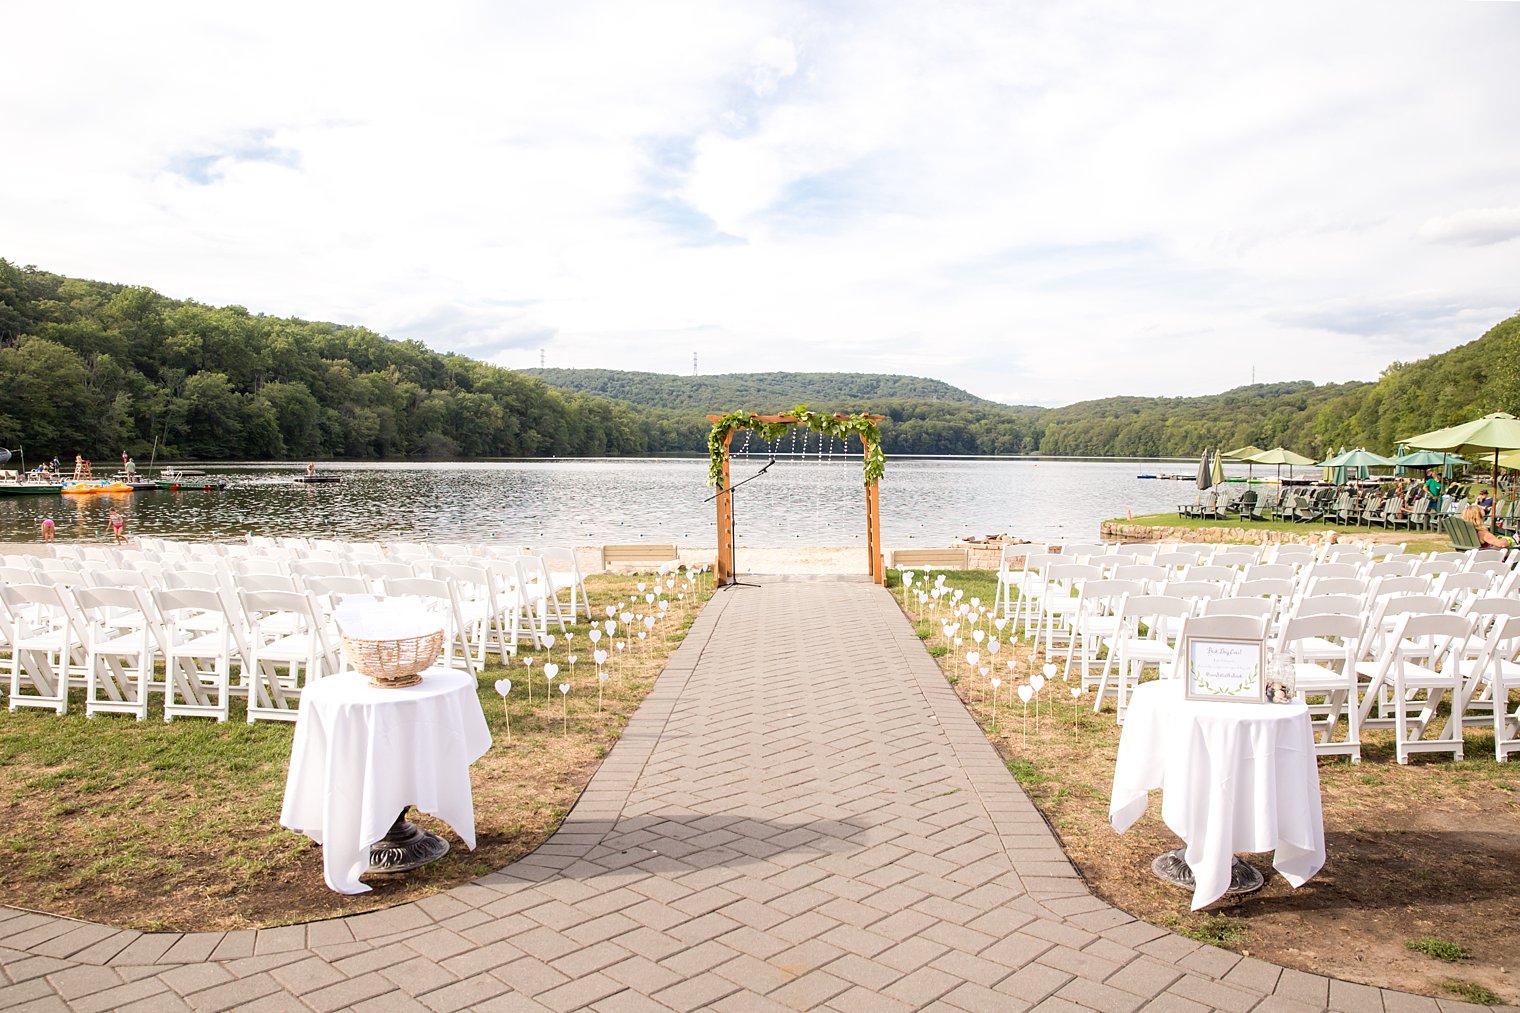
[[362, 754], [1234, 777]]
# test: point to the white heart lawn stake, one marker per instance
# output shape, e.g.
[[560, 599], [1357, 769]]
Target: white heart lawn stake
[[611, 611], [1024, 694], [600, 656], [1037, 682], [595, 635], [504, 686], [642, 585], [610, 626], [978, 636], [548, 639], [564, 693], [550, 670]]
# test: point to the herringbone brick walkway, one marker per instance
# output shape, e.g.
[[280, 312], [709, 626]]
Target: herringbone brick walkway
[[801, 816]]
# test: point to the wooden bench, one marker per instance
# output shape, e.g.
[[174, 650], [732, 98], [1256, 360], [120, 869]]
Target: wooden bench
[[938, 559], [644, 554]]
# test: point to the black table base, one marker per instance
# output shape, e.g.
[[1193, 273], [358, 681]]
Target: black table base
[[1171, 868], [406, 846]]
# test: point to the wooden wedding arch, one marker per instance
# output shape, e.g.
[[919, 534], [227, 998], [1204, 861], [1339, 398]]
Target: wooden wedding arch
[[770, 427]]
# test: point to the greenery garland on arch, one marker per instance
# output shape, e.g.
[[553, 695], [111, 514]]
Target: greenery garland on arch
[[843, 426]]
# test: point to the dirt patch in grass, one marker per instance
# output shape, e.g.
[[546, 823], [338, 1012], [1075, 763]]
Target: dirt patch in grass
[[159, 826], [1431, 849]]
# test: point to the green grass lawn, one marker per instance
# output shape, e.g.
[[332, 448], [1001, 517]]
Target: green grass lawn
[[1414, 541]]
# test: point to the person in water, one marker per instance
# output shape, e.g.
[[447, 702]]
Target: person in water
[[47, 529], [118, 526]]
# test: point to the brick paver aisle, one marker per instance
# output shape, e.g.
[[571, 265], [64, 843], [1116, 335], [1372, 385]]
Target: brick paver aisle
[[802, 815]]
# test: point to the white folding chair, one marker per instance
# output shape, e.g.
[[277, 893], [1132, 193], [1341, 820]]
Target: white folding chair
[[1097, 618], [288, 648], [203, 637], [1147, 631], [440, 599], [1323, 651], [47, 645], [1059, 603], [490, 624], [123, 643], [1495, 672], [1420, 667], [565, 575]]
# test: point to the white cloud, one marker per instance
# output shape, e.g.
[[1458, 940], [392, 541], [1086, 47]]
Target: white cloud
[[1038, 202], [1475, 227]]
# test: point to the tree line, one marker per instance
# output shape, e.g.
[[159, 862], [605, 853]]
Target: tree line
[[92, 367]]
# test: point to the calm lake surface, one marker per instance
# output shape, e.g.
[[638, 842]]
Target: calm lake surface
[[808, 502]]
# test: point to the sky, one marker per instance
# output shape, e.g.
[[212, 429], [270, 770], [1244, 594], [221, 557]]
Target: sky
[[1041, 202]]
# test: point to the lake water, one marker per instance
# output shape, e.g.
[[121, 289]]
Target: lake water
[[590, 502]]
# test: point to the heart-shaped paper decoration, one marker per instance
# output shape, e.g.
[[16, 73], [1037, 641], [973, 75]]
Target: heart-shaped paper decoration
[[996, 682], [1025, 693], [610, 626], [1037, 681], [627, 618], [564, 688], [550, 671], [601, 676], [503, 686], [611, 611], [978, 635], [600, 656], [569, 637], [972, 657], [648, 623], [649, 599], [622, 644], [664, 604], [1050, 670], [528, 661], [548, 639], [993, 646], [1075, 693], [595, 635], [1000, 622], [573, 659], [976, 602], [642, 585], [984, 670]]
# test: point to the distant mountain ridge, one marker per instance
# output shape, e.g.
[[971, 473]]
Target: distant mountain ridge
[[717, 393]]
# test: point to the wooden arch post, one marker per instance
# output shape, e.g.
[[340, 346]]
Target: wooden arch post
[[723, 570]]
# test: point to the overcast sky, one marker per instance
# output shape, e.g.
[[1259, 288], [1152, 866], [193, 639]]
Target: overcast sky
[[1041, 202]]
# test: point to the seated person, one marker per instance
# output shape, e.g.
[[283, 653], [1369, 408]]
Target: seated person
[[1478, 518], [1486, 502]]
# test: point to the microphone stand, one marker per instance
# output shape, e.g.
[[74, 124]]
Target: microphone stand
[[733, 580]]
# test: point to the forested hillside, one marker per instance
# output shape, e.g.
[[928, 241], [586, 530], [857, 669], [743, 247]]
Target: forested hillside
[[91, 367], [757, 392]]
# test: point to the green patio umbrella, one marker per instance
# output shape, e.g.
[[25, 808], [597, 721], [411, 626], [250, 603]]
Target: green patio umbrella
[[1281, 456], [1247, 454], [1491, 434], [1358, 459], [1216, 470], [1430, 459]]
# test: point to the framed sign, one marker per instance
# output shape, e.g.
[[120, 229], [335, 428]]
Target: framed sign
[[1229, 670]]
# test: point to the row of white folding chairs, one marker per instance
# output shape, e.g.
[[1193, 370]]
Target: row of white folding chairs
[[1362, 664], [1051, 576], [1080, 596], [553, 567], [109, 641], [494, 601]]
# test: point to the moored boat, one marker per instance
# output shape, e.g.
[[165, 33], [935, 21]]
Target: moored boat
[[34, 487]]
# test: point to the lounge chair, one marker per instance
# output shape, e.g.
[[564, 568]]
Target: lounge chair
[[1463, 535]]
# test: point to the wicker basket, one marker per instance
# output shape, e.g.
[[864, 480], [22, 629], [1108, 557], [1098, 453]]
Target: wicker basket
[[391, 664]]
